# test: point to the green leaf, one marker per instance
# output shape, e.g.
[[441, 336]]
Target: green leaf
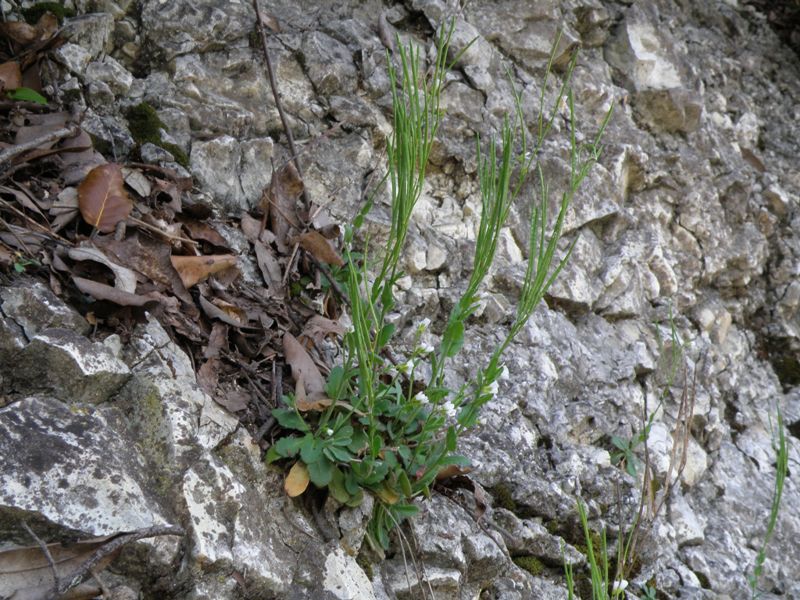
[[338, 454], [343, 435], [336, 486], [359, 442], [405, 453], [453, 339], [334, 383], [452, 439], [310, 449], [356, 498], [288, 446], [350, 483], [321, 472], [272, 455], [387, 298], [385, 335], [289, 419], [619, 442], [24, 94], [454, 459], [405, 484], [375, 444], [404, 511]]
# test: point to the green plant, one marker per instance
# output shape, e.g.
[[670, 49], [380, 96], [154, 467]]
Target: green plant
[[649, 593], [781, 470], [625, 456], [597, 556], [379, 429], [21, 263]]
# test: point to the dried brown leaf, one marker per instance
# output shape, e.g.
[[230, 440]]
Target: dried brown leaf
[[19, 31], [150, 257], [251, 228], [46, 26], [78, 157], [319, 327], [233, 400], [101, 291], [208, 376], [297, 480], [198, 230], [452, 471], [194, 269], [303, 366], [102, 198], [26, 574], [319, 247], [124, 278], [217, 340], [269, 266], [284, 191], [10, 75], [224, 311], [37, 126]]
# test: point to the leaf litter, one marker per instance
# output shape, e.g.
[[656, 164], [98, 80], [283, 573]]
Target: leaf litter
[[122, 240]]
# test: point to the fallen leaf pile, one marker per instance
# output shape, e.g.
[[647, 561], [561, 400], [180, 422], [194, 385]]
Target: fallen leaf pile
[[125, 242]]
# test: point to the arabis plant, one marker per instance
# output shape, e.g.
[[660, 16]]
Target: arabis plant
[[382, 430]]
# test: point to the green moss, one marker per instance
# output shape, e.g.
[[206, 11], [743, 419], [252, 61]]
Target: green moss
[[365, 564], [503, 497], [529, 563], [553, 527], [145, 126], [180, 156], [32, 14]]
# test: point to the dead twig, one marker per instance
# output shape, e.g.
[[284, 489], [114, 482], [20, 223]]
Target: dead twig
[[47, 555], [9, 154], [276, 95], [106, 549]]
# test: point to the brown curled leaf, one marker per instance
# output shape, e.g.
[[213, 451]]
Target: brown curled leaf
[[297, 480], [315, 243], [102, 198], [194, 269]]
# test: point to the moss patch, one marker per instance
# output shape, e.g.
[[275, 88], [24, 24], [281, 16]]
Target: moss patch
[[145, 126], [529, 563], [32, 14], [503, 498]]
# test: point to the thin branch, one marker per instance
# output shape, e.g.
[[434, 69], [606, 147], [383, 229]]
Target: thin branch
[[276, 95], [16, 150], [47, 555], [106, 549]]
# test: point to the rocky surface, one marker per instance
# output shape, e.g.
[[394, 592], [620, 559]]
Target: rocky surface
[[686, 230]]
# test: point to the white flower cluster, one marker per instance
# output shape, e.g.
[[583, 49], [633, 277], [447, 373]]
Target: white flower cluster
[[423, 325], [449, 409], [407, 366], [425, 349]]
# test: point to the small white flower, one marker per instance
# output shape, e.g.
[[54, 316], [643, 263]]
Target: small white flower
[[421, 398], [449, 409], [329, 432], [423, 325], [425, 349], [491, 389], [407, 366], [619, 586], [391, 371], [504, 374]]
